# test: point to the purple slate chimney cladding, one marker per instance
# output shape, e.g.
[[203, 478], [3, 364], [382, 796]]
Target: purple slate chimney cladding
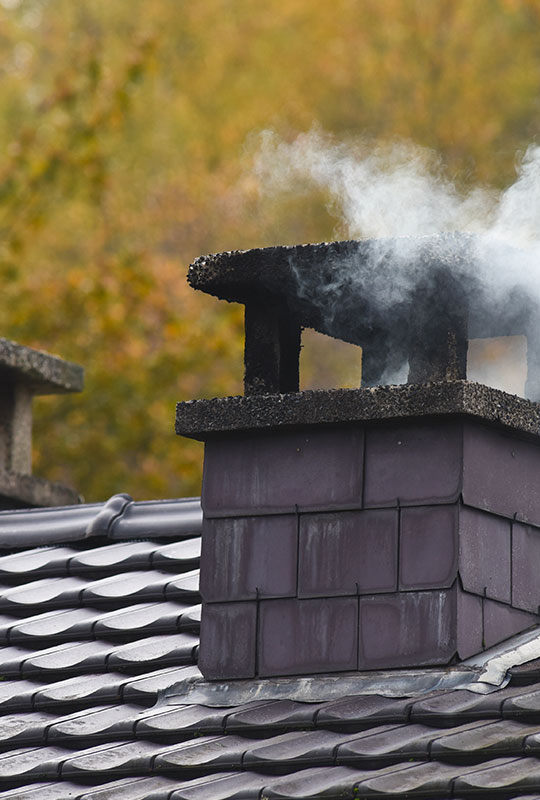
[[394, 526], [370, 546]]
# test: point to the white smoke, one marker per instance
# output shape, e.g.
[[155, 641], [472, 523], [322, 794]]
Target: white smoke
[[399, 190], [394, 190], [399, 193]]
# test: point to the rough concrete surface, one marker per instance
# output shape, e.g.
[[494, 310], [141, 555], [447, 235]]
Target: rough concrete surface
[[201, 419], [45, 374]]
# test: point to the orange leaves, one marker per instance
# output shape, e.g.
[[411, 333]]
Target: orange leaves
[[123, 156]]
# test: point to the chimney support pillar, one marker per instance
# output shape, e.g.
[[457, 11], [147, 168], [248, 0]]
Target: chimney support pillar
[[272, 349]]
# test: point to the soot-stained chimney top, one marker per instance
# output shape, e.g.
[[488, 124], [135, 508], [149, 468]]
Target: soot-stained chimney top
[[25, 372], [378, 527], [408, 300]]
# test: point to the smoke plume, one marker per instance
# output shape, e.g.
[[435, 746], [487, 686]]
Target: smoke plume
[[398, 197]]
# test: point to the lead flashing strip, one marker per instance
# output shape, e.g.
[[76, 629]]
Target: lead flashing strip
[[321, 688]]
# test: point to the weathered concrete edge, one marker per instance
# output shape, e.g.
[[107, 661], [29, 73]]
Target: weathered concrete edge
[[18, 491], [44, 373], [202, 419]]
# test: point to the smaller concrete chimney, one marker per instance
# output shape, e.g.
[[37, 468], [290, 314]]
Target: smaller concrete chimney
[[360, 529], [25, 372]]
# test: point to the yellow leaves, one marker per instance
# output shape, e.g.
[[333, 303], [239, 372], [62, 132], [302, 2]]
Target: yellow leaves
[[123, 157]]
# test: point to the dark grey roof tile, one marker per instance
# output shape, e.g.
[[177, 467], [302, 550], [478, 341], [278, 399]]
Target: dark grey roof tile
[[144, 689], [122, 758], [532, 742], [22, 729], [47, 593], [460, 705], [17, 695], [6, 624], [32, 763], [97, 722], [503, 774], [164, 617], [118, 518], [45, 561], [175, 649], [525, 674], [45, 526], [191, 618], [81, 690], [57, 626], [11, 661], [524, 704], [113, 557], [179, 556], [527, 797], [140, 586], [325, 782], [505, 738], [386, 745], [72, 657], [206, 752], [44, 791], [430, 779], [155, 787], [362, 711], [162, 722], [108, 514], [222, 786], [186, 585], [294, 751], [178, 519], [273, 715]]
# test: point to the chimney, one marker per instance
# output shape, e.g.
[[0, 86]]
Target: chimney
[[25, 372], [370, 528]]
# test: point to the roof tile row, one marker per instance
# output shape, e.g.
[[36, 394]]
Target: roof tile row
[[100, 633]]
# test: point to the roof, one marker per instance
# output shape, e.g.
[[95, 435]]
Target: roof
[[99, 618]]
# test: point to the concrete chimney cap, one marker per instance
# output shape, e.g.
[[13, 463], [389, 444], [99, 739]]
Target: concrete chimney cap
[[41, 372]]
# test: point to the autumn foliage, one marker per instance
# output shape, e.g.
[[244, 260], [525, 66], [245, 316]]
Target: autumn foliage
[[126, 134]]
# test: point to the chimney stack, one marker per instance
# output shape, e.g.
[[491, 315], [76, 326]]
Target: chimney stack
[[360, 529], [25, 372]]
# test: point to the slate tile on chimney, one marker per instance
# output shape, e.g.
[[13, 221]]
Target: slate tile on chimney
[[228, 640], [307, 636], [406, 629], [502, 621], [525, 567], [485, 553], [469, 624], [278, 471], [348, 552], [412, 463], [501, 473], [428, 547], [245, 554]]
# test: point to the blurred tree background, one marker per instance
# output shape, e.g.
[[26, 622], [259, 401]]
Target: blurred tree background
[[125, 136]]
